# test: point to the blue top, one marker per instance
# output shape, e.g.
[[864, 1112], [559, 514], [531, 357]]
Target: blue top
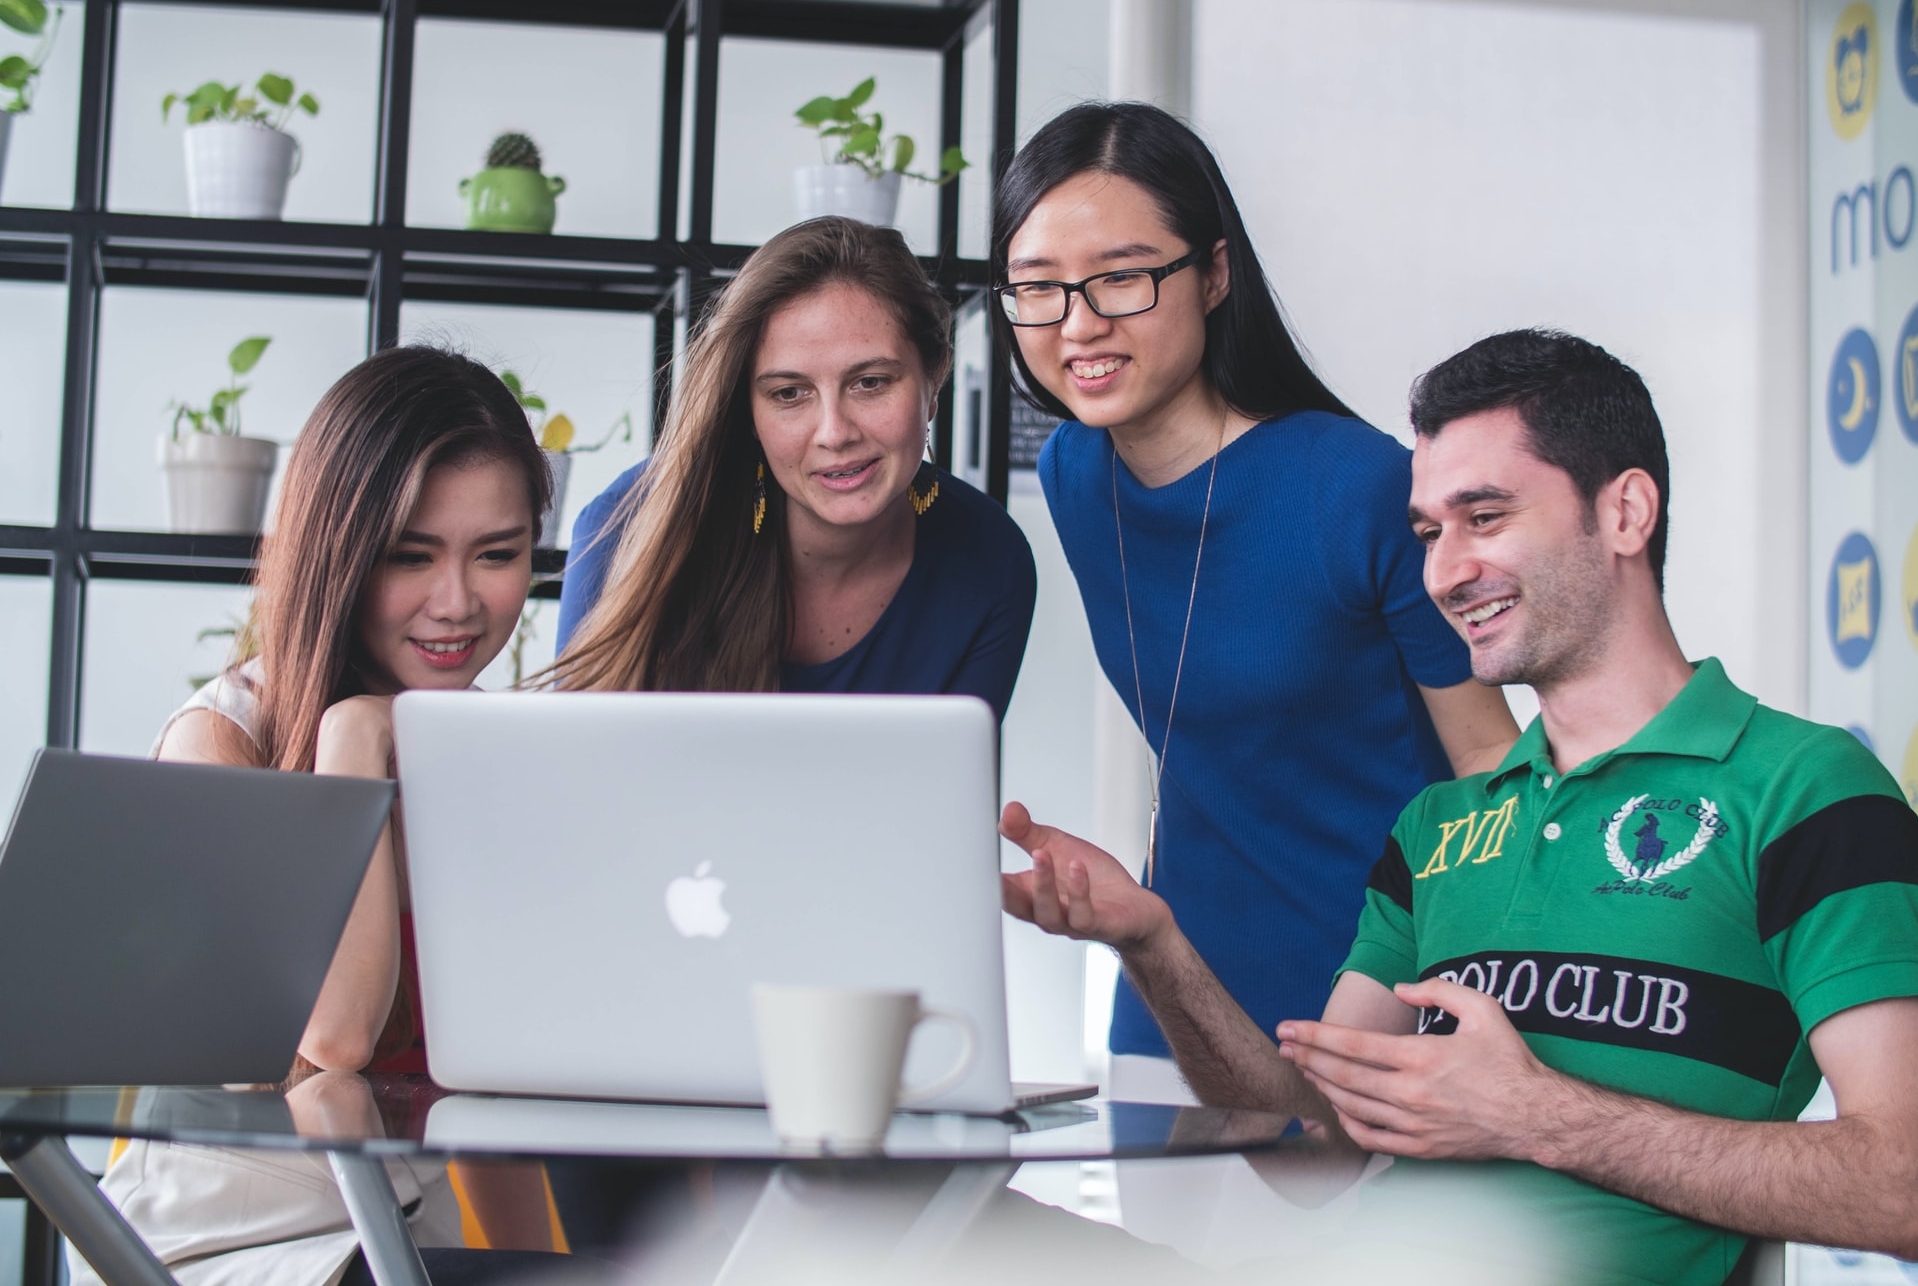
[[1299, 732], [957, 625]]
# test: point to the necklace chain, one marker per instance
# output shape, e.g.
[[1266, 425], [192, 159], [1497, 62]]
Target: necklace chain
[[1157, 774]]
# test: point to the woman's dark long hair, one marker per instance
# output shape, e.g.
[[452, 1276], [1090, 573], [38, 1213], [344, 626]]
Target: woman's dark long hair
[[1251, 357], [354, 478], [695, 600]]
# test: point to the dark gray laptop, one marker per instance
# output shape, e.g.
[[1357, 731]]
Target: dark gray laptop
[[171, 924]]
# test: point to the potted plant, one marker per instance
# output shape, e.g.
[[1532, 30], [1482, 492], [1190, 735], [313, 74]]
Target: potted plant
[[18, 72], [510, 194], [238, 153], [216, 479], [559, 440], [860, 179]]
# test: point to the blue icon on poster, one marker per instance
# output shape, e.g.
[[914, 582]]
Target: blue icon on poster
[[1904, 44], [1905, 376], [1852, 395], [1864, 738], [1853, 599]]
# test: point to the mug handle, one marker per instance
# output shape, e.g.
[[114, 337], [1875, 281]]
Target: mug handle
[[911, 1094], [298, 154], [555, 184]]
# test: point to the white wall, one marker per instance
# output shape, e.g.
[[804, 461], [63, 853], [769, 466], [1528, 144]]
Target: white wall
[[1419, 173], [1049, 730]]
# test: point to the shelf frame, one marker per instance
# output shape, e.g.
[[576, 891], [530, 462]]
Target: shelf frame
[[90, 247]]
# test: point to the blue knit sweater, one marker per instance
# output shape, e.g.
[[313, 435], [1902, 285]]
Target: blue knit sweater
[[1299, 731]]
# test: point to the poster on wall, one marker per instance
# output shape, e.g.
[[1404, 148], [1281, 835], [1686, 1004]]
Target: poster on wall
[[1861, 87], [1862, 92]]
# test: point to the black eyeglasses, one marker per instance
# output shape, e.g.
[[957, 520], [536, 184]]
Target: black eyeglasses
[[1109, 294]]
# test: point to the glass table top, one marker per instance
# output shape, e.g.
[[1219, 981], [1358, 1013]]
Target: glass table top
[[408, 1115]]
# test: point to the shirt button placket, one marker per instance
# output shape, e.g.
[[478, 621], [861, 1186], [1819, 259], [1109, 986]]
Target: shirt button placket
[[1527, 892]]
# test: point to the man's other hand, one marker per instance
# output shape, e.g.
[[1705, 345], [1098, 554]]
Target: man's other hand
[[1471, 1095]]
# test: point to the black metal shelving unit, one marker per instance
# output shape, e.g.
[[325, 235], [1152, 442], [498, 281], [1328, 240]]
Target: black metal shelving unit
[[385, 262]]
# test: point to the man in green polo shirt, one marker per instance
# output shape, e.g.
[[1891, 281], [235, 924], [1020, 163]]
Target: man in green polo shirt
[[1622, 959]]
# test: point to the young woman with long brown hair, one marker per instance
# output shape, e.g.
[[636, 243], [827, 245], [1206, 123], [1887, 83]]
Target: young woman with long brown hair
[[401, 558], [787, 533]]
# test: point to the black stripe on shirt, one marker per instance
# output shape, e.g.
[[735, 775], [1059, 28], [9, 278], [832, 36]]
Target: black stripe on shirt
[[1391, 876], [1635, 1004], [1866, 839]]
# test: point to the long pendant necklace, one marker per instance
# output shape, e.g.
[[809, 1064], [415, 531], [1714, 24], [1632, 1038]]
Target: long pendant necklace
[[1157, 776]]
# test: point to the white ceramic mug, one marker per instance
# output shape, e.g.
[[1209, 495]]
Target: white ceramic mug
[[831, 1059]]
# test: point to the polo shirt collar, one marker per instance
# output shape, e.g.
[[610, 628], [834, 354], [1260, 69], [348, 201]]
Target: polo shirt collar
[[1705, 720]]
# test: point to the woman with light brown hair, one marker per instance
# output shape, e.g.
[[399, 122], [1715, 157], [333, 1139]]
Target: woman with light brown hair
[[787, 533]]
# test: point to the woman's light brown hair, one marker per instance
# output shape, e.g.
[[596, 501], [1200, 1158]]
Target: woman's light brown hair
[[694, 601]]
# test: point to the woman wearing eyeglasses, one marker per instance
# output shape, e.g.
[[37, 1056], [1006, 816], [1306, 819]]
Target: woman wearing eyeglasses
[[1240, 543]]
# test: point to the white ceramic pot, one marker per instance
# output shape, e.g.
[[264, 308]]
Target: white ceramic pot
[[847, 190], [238, 169], [6, 128], [216, 484], [562, 466]]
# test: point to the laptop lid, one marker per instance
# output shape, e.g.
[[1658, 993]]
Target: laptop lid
[[171, 924], [598, 879]]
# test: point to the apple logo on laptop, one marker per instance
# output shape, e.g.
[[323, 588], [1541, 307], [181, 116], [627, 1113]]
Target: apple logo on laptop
[[692, 904]]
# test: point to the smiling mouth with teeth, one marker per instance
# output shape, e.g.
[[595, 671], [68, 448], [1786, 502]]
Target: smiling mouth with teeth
[[850, 472], [1094, 370], [1485, 612], [458, 645]]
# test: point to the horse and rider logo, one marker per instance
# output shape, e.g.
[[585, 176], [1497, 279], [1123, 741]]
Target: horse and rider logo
[[1647, 863]]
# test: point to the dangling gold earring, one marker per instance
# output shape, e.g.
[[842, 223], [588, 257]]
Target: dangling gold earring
[[924, 487], [759, 497]]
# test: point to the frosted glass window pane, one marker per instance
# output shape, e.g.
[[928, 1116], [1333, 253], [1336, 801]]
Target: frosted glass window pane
[[590, 366], [975, 136], [169, 48], [971, 396], [41, 147], [33, 325], [143, 656], [160, 345], [588, 98], [763, 82], [13, 1236], [1058, 66], [26, 618], [538, 625]]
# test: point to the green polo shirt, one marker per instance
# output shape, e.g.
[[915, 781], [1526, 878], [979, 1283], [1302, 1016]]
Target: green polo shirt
[[1670, 918]]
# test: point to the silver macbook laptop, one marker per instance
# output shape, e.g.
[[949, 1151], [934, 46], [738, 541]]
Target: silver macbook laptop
[[171, 924], [598, 880]]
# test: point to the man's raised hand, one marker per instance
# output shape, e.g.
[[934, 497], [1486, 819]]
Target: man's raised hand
[[1077, 889]]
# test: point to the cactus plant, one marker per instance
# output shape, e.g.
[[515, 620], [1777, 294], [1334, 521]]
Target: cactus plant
[[513, 152], [510, 194]]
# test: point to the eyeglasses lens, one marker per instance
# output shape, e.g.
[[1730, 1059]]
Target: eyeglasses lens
[[1037, 304], [1121, 293], [1042, 303]]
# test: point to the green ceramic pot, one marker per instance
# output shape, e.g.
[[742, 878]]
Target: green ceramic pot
[[510, 199]]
